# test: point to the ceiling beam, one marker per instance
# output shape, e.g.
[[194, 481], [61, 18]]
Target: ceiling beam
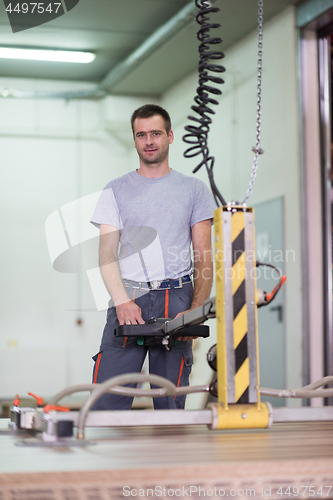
[[158, 38], [151, 44]]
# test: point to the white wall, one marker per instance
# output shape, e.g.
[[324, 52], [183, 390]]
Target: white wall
[[53, 152]]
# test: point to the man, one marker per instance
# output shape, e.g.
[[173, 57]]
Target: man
[[152, 214]]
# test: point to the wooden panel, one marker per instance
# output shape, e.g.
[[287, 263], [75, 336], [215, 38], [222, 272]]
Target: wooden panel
[[179, 459]]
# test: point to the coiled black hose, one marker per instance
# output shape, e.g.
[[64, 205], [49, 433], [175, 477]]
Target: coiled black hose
[[198, 134]]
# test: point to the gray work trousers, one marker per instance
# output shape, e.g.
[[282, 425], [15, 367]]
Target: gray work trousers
[[120, 355]]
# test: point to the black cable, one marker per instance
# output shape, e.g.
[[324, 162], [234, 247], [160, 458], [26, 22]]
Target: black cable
[[258, 264], [198, 133], [278, 287]]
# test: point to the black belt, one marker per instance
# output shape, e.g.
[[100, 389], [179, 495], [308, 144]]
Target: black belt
[[158, 285]]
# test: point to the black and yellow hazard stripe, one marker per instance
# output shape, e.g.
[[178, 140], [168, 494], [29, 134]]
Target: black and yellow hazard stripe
[[240, 326]]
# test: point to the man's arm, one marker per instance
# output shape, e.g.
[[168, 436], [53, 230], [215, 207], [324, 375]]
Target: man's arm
[[128, 312], [203, 265], [203, 262]]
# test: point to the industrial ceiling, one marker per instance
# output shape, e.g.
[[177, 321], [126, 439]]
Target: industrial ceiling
[[115, 29]]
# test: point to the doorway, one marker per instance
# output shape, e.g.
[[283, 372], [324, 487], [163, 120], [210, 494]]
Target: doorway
[[270, 249], [315, 49]]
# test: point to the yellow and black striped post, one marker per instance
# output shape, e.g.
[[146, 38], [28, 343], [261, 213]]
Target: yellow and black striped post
[[240, 323], [237, 337]]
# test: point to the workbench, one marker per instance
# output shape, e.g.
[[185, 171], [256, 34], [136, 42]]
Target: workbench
[[188, 461]]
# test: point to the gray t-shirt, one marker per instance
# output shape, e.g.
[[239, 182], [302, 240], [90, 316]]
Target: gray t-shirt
[[154, 217]]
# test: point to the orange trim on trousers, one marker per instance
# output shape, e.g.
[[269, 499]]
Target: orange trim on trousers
[[180, 372], [97, 366], [166, 307]]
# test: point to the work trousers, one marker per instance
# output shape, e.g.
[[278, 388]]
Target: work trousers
[[120, 355]]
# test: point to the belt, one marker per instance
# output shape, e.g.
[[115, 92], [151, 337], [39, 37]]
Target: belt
[[158, 285]]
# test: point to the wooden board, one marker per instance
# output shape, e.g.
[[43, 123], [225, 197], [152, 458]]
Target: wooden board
[[287, 461]]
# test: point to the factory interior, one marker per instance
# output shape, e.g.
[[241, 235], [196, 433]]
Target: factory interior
[[64, 134]]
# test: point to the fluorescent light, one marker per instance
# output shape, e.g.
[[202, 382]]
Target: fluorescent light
[[47, 55]]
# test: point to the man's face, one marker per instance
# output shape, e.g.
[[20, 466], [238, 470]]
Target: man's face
[[151, 139]]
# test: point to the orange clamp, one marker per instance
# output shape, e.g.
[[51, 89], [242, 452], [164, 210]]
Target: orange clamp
[[270, 295], [48, 408], [16, 400], [38, 398]]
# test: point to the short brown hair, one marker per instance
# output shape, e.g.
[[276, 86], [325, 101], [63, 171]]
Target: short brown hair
[[148, 110]]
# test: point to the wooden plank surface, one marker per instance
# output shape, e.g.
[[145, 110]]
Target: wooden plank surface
[[295, 455]]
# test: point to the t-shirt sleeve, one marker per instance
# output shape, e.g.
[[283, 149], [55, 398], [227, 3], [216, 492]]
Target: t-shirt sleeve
[[106, 210], [204, 205]]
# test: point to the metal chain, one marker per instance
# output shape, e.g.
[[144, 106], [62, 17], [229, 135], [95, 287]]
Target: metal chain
[[256, 149]]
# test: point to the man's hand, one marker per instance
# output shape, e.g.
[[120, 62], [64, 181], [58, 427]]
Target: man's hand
[[203, 267], [129, 313], [186, 339]]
